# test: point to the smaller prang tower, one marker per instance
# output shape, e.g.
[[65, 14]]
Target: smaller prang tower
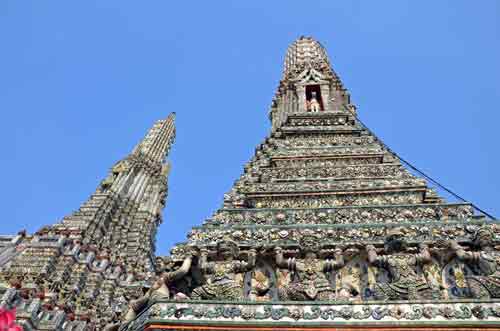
[[74, 275], [327, 230]]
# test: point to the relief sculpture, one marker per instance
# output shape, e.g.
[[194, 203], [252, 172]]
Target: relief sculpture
[[309, 278], [159, 290], [406, 283], [485, 283], [222, 282]]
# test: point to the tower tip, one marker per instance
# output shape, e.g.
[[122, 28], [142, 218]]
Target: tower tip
[[171, 117], [304, 52]]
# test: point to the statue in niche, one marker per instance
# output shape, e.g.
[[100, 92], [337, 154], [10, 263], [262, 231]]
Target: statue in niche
[[405, 282], [309, 281], [485, 263], [223, 283], [158, 290], [313, 104]]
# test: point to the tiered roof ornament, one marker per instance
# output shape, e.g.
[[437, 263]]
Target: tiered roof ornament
[[308, 84], [324, 229], [303, 54]]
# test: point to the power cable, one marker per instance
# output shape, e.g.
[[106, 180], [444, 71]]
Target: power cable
[[435, 182]]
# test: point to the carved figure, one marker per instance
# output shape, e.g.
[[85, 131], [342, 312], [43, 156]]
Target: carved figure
[[159, 290], [486, 284], [310, 281], [222, 283], [313, 104], [405, 283]]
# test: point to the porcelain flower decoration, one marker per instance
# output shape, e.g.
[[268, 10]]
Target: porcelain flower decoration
[[7, 320]]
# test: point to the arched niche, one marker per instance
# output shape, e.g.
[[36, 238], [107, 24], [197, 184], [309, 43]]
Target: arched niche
[[454, 281], [260, 284], [353, 279]]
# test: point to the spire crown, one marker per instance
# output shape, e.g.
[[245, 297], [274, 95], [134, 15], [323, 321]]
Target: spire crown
[[156, 144], [308, 85], [303, 53]]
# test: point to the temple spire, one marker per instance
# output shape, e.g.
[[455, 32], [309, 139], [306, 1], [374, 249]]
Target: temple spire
[[308, 84], [110, 237], [156, 144], [141, 179]]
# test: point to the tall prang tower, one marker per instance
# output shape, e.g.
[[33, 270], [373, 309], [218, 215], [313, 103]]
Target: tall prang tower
[[74, 275], [327, 230]]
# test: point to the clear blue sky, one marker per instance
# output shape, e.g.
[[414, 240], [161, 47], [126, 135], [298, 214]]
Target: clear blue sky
[[82, 81]]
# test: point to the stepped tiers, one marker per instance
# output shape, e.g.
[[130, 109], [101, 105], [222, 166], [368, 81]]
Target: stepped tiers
[[324, 230]]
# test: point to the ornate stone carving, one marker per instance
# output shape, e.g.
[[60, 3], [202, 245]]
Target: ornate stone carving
[[324, 162], [485, 262], [396, 197], [471, 312], [351, 172], [262, 284], [157, 291], [265, 235], [309, 281], [222, 282], [369, 150], [320, 121], [325, 186], [343, 215], [321, 140], [406, 283]]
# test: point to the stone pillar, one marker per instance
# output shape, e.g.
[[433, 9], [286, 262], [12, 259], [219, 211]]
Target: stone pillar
[[301, 91], [325, 96]]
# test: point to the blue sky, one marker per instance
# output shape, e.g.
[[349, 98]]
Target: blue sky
[[82, 81]]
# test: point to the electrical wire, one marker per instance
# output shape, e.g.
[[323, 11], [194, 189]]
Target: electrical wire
[[411, 166]]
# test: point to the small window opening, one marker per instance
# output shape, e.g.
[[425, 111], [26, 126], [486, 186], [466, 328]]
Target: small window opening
[[314, 101]]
